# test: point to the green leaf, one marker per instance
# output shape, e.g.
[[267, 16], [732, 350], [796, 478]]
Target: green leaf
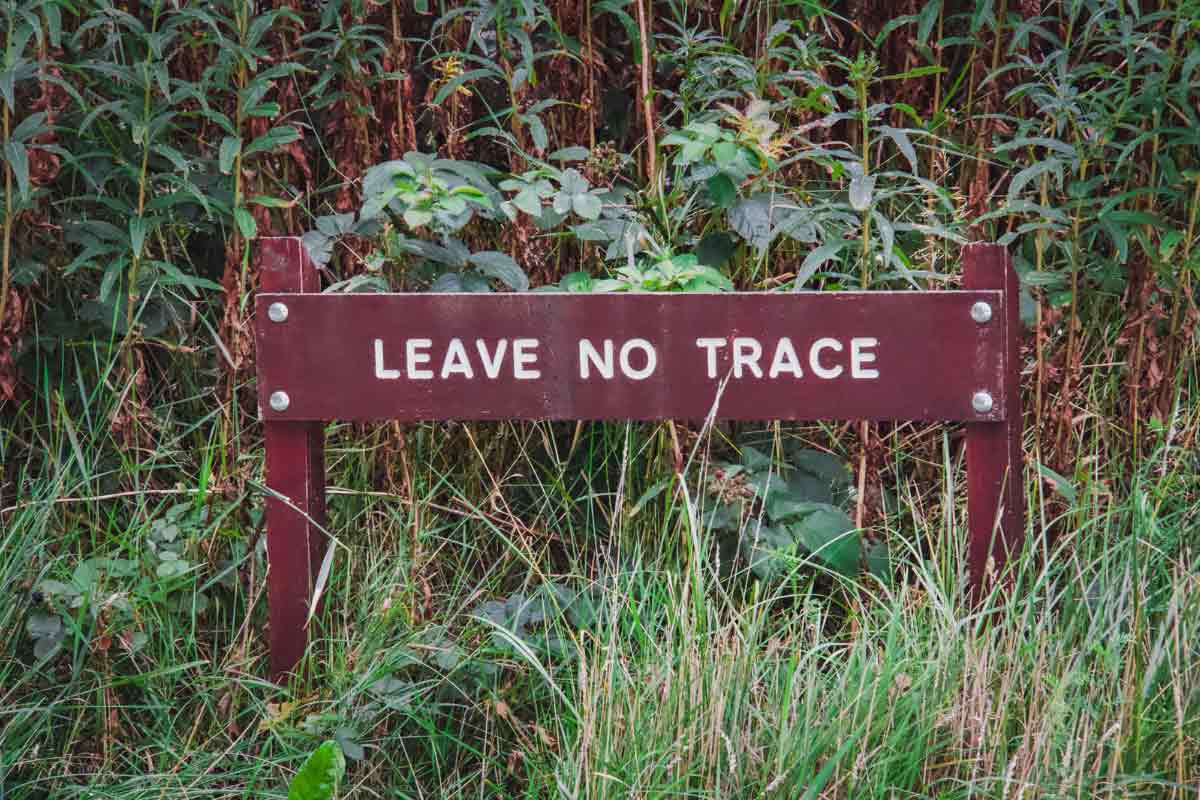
[[230, 147], [528, 201], [722, 190], [320, 774], [715, 249], [541, 140], [751, 219], [29, 127], [18, 159], [902, 142], [245, 222], [137, 234], [501, 266], [830, 535], [276, 137], [692, 152], [814, 260], [862, 189], [578, 281], [586, 205], [416, 217], [1061, 484], [1018, 182], [457, 81], [726, 153], [770, 551], [879, 561], [574, 153]]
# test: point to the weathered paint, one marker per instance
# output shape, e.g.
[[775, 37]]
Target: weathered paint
[[995, 466]]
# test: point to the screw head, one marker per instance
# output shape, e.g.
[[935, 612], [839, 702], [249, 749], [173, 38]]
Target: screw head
[[277, 312], [981, 312], [280, 401], [982, 402]]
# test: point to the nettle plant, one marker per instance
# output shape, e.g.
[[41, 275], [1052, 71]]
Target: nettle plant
[[778, 515]]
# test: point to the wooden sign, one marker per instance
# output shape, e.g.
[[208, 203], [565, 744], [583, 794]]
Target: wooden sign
[[856, 355], [942, 355]]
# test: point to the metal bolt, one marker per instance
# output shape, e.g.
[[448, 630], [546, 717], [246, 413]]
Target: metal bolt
[[277, 312], [280, 401], [981, 312], [982, 402]]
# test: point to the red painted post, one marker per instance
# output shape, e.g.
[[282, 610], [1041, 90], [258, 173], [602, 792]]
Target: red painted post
[[295, 469], [995, 474]]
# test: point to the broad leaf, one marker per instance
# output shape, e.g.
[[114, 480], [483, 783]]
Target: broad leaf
[[502, 267], [830, 535], [320, 774]]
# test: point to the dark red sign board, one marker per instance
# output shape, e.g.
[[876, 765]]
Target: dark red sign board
[[940, 355], [844, 355]]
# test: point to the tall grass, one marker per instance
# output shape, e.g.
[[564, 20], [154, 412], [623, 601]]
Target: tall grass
[[635, 657]]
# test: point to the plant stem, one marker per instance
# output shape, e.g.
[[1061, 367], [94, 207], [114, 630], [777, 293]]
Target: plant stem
[[5, 273], [647, 104]]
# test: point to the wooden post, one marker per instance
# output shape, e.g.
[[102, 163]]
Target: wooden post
[[995, 474], [295, 468]]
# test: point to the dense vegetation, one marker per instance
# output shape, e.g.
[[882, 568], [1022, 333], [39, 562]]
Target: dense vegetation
[[621, 610]]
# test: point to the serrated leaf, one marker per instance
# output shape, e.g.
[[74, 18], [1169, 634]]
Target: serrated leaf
[[769, 550], [722, 190], [830, 535], [320, 774]]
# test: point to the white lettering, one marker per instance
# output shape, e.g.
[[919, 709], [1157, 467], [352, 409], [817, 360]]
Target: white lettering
[[711, 346], [858, 358], [785, 360], [651, 359], [456, 361], [521, 358], [746, 353], [588, 352], [814, 358], [414, 354], [491, 362], [380, 371]]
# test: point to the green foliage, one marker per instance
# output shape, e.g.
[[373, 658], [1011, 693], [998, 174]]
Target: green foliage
[[777, 515], [320, 774]]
